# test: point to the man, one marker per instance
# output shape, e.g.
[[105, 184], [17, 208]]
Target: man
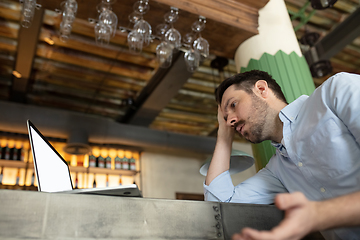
[[317, 142]]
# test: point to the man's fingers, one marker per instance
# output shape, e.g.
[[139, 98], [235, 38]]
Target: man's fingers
[[282, 232]]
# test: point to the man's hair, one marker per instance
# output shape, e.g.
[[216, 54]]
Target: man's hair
[[246, 81]]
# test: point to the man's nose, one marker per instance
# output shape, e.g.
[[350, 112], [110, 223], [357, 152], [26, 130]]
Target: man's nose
[[232, 120]]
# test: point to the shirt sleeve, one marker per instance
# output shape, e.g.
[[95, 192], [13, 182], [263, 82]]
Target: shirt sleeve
[[342, 94], [259, 189]]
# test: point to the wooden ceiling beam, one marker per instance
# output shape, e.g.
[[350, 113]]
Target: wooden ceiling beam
[[58, 100], [111, 51], [239, 14], [99, 64], [83, 88], [164, 85], [77, 73], [27, 45], [337, 39]]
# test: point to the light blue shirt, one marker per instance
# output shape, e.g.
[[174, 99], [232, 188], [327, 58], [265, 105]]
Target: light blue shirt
[[319, 155]]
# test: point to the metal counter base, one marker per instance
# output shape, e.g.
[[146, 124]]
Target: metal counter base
[[38, 215]]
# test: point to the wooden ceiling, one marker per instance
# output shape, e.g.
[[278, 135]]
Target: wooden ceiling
[[110, 81]]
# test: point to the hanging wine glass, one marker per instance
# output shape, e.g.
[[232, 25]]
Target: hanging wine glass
[[141, 6], [71, 4], [102, 33], [172, 36], [202, 46], [144, 29], [199, 25], [172, 16], [164, 54], [65, 30], [28, 12], [188, 40], [134, 17], [107, 16], [192, 59], [135, 41], [164, 50], [141, 34], [109, 1], [161, 29], [69, 9]]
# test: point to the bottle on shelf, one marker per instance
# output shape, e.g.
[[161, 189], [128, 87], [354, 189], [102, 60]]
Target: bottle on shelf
[[117, 162], [16, 151], [1, 175], [21, 153], [18, 177], [76, 181], [11, 146], [125, 162], [80, 160], [1, 148], [132, 162], [92, 161], [6, 152], [94, 182], [96, 154], [33, 178], [101, 162], [73, 160], [3, 144], [108, 162], [120, 180]]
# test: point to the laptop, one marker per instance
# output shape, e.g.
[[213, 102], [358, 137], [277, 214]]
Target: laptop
[[53, 173]]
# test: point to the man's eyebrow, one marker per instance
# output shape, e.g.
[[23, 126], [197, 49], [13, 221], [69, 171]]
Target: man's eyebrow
[[225, 108], [227, 104]]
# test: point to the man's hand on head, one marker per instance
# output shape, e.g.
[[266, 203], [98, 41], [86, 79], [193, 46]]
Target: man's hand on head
[[224, 130]]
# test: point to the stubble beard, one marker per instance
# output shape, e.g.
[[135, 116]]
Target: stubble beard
[[257, 121]]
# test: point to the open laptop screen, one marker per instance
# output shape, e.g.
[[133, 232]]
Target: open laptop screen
[[51, 170]]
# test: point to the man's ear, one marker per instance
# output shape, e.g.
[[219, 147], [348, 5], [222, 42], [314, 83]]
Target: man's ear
[[261, 88]]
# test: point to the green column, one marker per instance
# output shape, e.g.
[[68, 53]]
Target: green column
[[292, 73]]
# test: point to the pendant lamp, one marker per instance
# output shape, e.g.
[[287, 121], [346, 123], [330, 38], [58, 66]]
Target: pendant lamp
[[239, 161]]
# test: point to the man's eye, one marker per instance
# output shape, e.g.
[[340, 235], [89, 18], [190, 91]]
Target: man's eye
[[232, 105]]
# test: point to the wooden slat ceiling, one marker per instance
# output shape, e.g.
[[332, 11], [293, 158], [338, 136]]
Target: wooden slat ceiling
[[105, 80]]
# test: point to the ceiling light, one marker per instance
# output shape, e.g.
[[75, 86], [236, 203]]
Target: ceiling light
[[49, 41], [16, 74], [239, 161], [321, 68], [310, 38], [322, 4], [77, 143]]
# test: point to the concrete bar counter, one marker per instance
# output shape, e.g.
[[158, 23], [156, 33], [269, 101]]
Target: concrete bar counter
[[39, 215]]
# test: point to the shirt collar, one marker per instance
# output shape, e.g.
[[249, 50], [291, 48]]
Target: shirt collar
[[291, 111]]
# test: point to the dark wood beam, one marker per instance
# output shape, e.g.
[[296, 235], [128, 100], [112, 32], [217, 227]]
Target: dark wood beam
[[156, 95], [337, 39], [240, 14], [27, 45]]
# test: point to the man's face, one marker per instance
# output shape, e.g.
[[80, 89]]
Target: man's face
[[246, 113]]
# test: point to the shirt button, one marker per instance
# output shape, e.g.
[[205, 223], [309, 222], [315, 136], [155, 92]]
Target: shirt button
[[322, 190], [300, 164]]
